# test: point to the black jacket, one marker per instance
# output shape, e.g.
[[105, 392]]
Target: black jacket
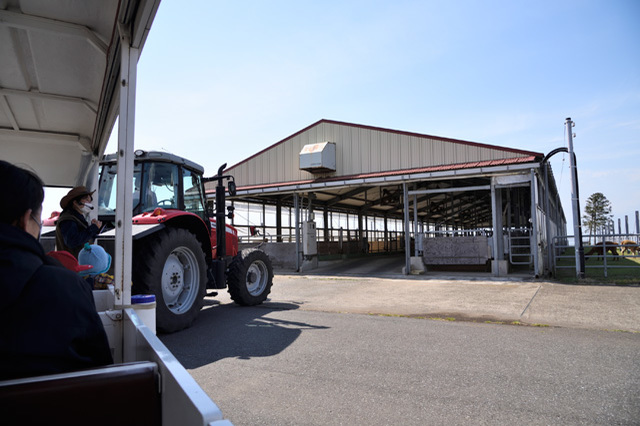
[[73, 231], [48, 319]]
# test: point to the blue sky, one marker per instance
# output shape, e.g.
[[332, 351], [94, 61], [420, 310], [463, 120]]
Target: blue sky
[[220, 81]]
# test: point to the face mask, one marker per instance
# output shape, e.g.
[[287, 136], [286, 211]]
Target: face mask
[[86, 208], [39, 222]]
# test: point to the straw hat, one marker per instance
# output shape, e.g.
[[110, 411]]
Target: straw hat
[[78, 191]]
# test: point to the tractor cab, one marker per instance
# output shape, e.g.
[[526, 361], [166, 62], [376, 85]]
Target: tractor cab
[[160, 180]]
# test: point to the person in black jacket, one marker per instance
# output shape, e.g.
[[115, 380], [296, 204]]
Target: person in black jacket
[[48, 319], [72, 228]]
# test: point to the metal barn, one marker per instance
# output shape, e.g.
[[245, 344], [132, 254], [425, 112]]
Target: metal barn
[[338, 189]]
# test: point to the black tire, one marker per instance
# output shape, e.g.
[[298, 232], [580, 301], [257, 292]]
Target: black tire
[[250, 277], [164, 266]]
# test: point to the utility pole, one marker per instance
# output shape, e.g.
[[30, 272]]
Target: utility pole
[[575, 203]]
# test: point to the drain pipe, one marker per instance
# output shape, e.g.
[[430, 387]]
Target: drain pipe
[[575, 198]]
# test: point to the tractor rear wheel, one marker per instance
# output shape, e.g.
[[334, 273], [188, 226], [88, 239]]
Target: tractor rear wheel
[[172, 266], [250, 277]]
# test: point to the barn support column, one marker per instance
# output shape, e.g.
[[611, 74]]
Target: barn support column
[[416, 262], [296, 207], [325, 216], [407, 230], [386, 233], [535, 247], [290, 225], [279, 221], [361, 237], [417, 242], [499, 266]]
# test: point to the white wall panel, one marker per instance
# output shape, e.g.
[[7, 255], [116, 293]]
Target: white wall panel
[[417, 152], [374, 152]]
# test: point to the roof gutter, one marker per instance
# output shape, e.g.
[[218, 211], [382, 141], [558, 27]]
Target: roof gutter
[[407, 177]]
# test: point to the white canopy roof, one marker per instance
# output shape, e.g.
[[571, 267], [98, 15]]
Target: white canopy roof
[[59, 80]]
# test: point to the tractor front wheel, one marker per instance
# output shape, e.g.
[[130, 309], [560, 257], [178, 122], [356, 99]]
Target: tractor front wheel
[[172, 266], [250, 277]]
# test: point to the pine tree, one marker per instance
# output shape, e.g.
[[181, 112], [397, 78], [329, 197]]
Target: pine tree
[[597, 213]]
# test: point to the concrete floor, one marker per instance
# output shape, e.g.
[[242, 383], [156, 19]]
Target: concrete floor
[[391, 266]]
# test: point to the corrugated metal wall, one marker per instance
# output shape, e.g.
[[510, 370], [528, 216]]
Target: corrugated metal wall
[[361, 150]]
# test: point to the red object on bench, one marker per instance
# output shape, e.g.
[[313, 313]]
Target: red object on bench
[[68, 260]]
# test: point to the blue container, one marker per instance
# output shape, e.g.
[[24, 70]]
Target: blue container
[[142, 298]]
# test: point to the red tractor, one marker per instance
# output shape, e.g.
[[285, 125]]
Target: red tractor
[[177, 253]]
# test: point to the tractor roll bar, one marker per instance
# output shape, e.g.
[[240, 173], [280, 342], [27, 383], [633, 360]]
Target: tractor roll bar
[[221, 246]]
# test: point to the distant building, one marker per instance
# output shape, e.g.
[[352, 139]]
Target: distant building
[[336, 189]]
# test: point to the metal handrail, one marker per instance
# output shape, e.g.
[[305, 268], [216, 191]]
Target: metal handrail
[[528, 255], [559, 248]]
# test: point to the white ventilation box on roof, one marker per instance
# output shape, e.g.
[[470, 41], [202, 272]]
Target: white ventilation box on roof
[[318, 157]]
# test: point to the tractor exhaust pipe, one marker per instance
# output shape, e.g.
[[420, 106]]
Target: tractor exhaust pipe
[[221, 227]]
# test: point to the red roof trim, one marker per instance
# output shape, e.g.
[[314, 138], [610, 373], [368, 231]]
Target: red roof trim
[[460, 166], [398, 132]]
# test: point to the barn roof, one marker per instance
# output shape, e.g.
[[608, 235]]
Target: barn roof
[[364, 152], [372, 164]]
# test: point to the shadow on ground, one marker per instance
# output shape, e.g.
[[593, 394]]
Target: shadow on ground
[[232, 331]]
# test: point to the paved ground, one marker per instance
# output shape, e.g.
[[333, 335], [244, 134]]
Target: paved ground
[[278, 364], [378, 287], [311, 355]]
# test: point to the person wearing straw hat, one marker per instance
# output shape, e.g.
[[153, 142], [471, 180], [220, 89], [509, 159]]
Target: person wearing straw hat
[[72, 228]]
